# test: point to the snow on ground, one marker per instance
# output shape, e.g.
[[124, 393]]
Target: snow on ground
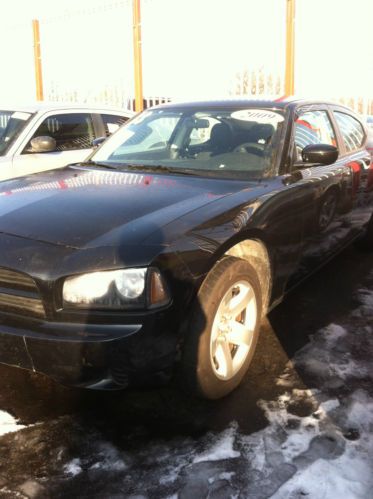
[[8, 424], [318, 442]]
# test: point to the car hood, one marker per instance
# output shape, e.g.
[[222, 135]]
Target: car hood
[[86, 208]]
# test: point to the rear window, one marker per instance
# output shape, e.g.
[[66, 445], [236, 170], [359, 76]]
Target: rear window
[[352, 131], [112, 122]]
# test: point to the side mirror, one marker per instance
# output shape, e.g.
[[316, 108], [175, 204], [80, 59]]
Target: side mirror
[[44, 143], [320, 154], [98, 141]]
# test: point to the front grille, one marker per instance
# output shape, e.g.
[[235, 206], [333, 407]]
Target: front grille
[[19, 294]]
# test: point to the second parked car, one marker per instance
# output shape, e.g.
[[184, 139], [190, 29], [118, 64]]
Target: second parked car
[[45, 136]]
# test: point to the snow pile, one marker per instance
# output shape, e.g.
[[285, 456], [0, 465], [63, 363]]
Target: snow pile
[[106, 457], [321, 440], [73, 468], [339, 459], [8, 424], [221, 449], [331, 450]]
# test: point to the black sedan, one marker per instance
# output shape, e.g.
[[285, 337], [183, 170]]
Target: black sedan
[[164, 250]]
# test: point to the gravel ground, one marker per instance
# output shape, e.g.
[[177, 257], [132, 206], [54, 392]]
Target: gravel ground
[[301, 424]]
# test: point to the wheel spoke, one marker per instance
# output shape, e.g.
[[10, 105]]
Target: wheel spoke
[[224, 357], [241, 301], [227, 301], [240, 334]]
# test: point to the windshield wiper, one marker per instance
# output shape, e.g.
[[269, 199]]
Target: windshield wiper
[[160, 168], [124, 167]]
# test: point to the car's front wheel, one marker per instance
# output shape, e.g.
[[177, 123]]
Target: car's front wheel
[[223, 330], [327, 210]]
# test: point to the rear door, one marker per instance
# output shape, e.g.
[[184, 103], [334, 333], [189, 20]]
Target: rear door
[[327, 190], [357, 159]]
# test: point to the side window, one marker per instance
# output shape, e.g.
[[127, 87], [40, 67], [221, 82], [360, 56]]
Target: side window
[[112, 122], [312, 127], [351, 130], [70, 131]]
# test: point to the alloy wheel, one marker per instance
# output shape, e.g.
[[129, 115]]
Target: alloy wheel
[[232, 330]]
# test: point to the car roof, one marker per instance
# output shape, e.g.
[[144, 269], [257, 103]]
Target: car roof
[[278, 103], [35, 107]]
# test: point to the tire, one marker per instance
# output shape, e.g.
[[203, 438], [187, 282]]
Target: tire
[[218, 347], [327, 210]]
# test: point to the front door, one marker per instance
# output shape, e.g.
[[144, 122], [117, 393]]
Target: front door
[[73, 133]]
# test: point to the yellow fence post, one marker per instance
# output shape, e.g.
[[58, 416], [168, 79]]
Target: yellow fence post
[[37, 60], [290, 47], [137, 55]]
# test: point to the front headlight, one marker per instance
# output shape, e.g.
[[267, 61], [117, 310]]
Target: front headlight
[[116, 289]]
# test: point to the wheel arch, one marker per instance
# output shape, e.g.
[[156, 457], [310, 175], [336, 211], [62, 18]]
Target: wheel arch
[[336, 189], [256, 253], [333, 188], [254, 249]]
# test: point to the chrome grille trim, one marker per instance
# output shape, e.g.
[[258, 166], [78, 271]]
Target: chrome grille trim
[[17, 280], [19, 295]]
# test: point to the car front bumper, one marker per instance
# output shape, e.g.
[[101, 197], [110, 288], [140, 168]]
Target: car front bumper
[[100, 356], [98, 349]]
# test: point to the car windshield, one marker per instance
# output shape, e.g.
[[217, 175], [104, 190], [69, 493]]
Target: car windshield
[[11, 125], [229, 142]]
